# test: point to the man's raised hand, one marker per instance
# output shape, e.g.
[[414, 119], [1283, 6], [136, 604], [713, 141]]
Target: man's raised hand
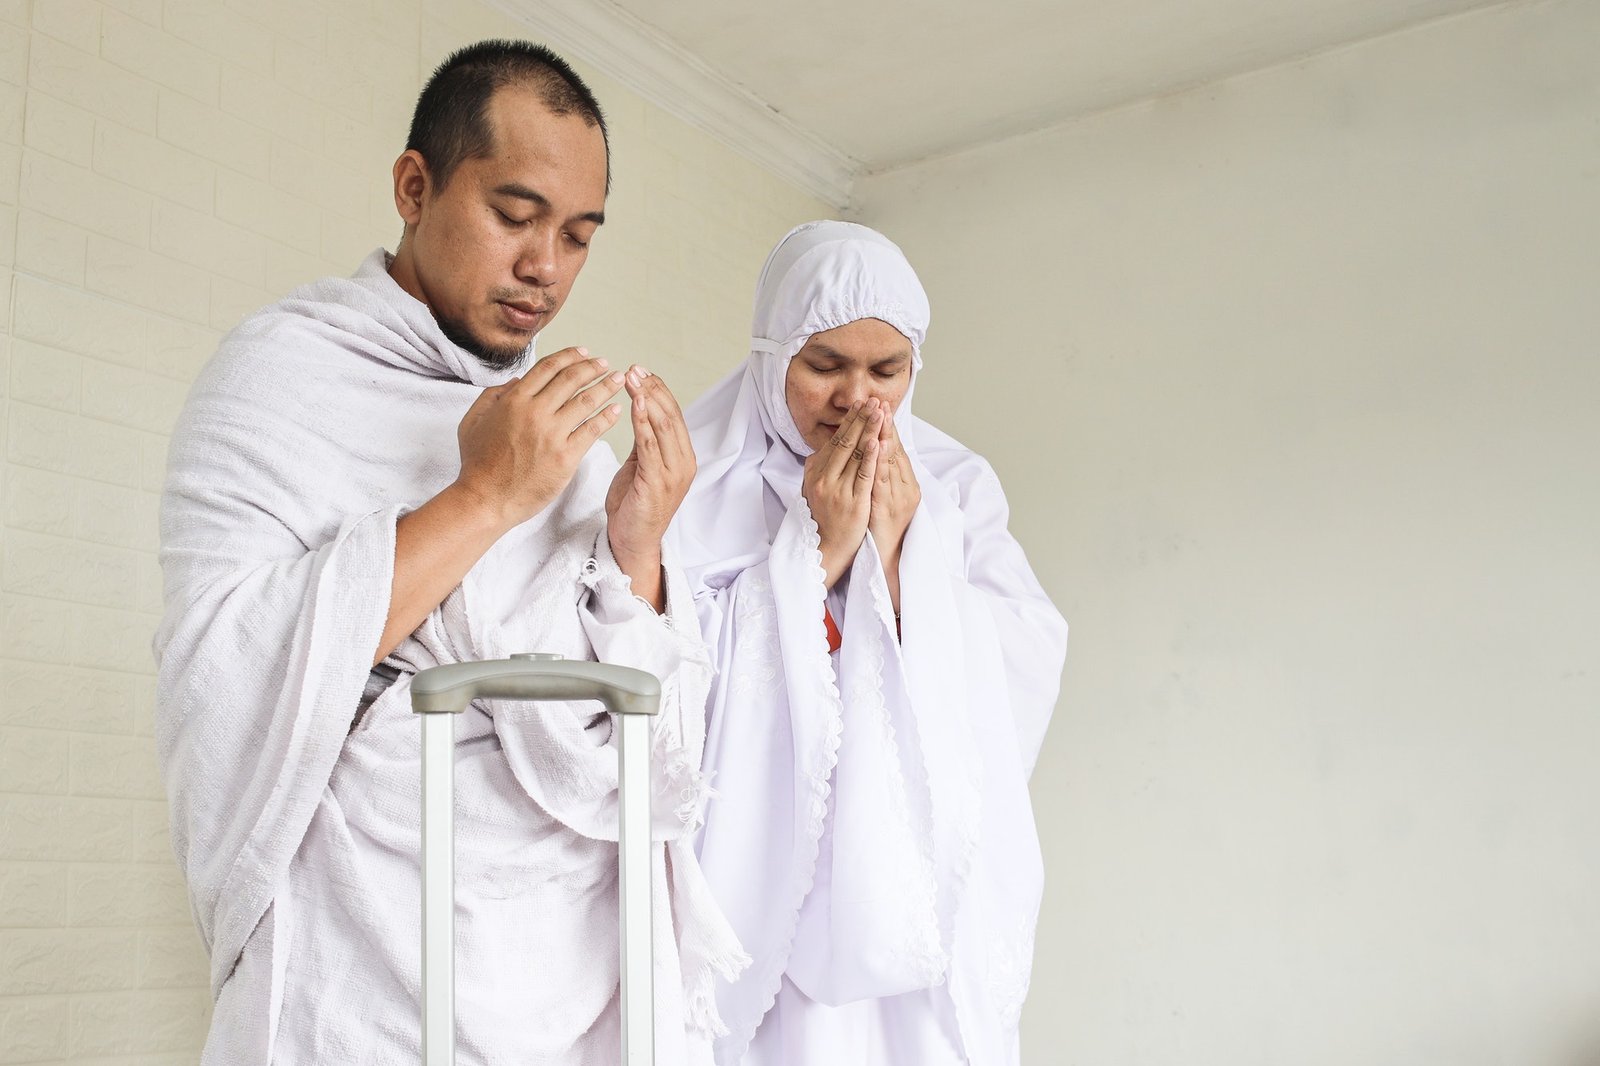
[[652, 482], [521, 442]]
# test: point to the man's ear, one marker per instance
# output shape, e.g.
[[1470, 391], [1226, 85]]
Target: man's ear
[[412, 184]]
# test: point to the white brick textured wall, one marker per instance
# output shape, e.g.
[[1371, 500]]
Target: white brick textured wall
[[167, 166]]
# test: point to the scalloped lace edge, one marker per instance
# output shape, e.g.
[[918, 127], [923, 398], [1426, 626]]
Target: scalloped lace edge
[[931, 955], [771, 977]]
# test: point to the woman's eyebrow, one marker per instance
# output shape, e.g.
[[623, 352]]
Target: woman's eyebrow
[[819, 348]]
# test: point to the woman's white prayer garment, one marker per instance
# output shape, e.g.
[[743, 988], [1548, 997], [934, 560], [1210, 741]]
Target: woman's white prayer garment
[[293, 767], [870, 835]]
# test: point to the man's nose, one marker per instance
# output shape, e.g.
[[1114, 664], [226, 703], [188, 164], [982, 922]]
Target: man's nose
[[536, 259]]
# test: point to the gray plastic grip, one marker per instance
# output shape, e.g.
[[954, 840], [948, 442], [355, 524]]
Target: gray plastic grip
[[448, 689]]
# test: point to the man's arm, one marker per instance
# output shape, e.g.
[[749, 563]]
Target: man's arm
[[520, 442]]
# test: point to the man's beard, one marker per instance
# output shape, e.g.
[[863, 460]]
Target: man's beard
[[491, 356]]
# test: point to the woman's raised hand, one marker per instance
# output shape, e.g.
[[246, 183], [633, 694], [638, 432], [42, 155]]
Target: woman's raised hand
[[895, 492], [838, 486]]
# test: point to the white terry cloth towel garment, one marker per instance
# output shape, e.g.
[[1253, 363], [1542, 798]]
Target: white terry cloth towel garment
[[870, 835], [293, 768]]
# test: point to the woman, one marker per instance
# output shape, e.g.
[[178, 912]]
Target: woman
[[887, 664]]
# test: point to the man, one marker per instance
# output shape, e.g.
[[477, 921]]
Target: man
[[369, 480]]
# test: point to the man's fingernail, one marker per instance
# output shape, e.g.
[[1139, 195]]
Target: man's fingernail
[[583, 351], [601, 363]]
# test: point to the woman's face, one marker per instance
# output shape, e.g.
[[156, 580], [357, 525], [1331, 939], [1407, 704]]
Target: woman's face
[[843, 366]]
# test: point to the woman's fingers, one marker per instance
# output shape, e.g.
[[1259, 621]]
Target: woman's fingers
[[887, 444], [867, 469], [866, 436], [842, 442], [894, 464]]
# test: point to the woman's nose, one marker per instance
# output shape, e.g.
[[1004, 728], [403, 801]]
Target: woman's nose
[[851, 392]]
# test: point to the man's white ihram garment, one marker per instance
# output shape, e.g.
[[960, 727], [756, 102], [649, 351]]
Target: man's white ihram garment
[[319, 422], [870, 837]]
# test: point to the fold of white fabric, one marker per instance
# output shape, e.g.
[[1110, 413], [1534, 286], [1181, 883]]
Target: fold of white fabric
[[870, 836], [319, 422]]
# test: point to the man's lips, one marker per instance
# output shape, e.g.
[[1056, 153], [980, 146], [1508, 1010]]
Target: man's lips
[[524, 315]]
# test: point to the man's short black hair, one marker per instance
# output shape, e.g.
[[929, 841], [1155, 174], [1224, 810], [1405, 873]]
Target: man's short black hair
[[451, 123]]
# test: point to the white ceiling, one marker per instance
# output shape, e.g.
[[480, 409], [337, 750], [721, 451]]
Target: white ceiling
[[884, 83]]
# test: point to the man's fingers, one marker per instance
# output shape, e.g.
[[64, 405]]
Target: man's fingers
[[666, 420], [644, 434], [583, 402], [574, 378], [541, 373], [595, 428]]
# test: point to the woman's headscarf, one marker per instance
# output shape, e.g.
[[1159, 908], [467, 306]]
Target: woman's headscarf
[[820, 276]]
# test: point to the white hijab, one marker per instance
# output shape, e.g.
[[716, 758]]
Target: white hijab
[[841, 846], [820, 276]]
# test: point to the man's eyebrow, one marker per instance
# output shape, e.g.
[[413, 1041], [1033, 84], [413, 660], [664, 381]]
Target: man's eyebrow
[[533, 196]]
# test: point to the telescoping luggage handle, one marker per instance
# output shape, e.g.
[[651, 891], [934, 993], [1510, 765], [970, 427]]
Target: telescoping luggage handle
[[442, 691]]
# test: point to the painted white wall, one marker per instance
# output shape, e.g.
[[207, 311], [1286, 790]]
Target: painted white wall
[[1294, 383]]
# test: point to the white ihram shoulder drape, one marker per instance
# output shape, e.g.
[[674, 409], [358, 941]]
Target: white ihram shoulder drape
[[870, 836], [292, 768]]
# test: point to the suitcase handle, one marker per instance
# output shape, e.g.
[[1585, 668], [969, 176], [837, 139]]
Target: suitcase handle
[[442, 691], [535, 676]]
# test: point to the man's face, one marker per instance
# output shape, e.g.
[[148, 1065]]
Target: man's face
[[842, 366], [494, 253]]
